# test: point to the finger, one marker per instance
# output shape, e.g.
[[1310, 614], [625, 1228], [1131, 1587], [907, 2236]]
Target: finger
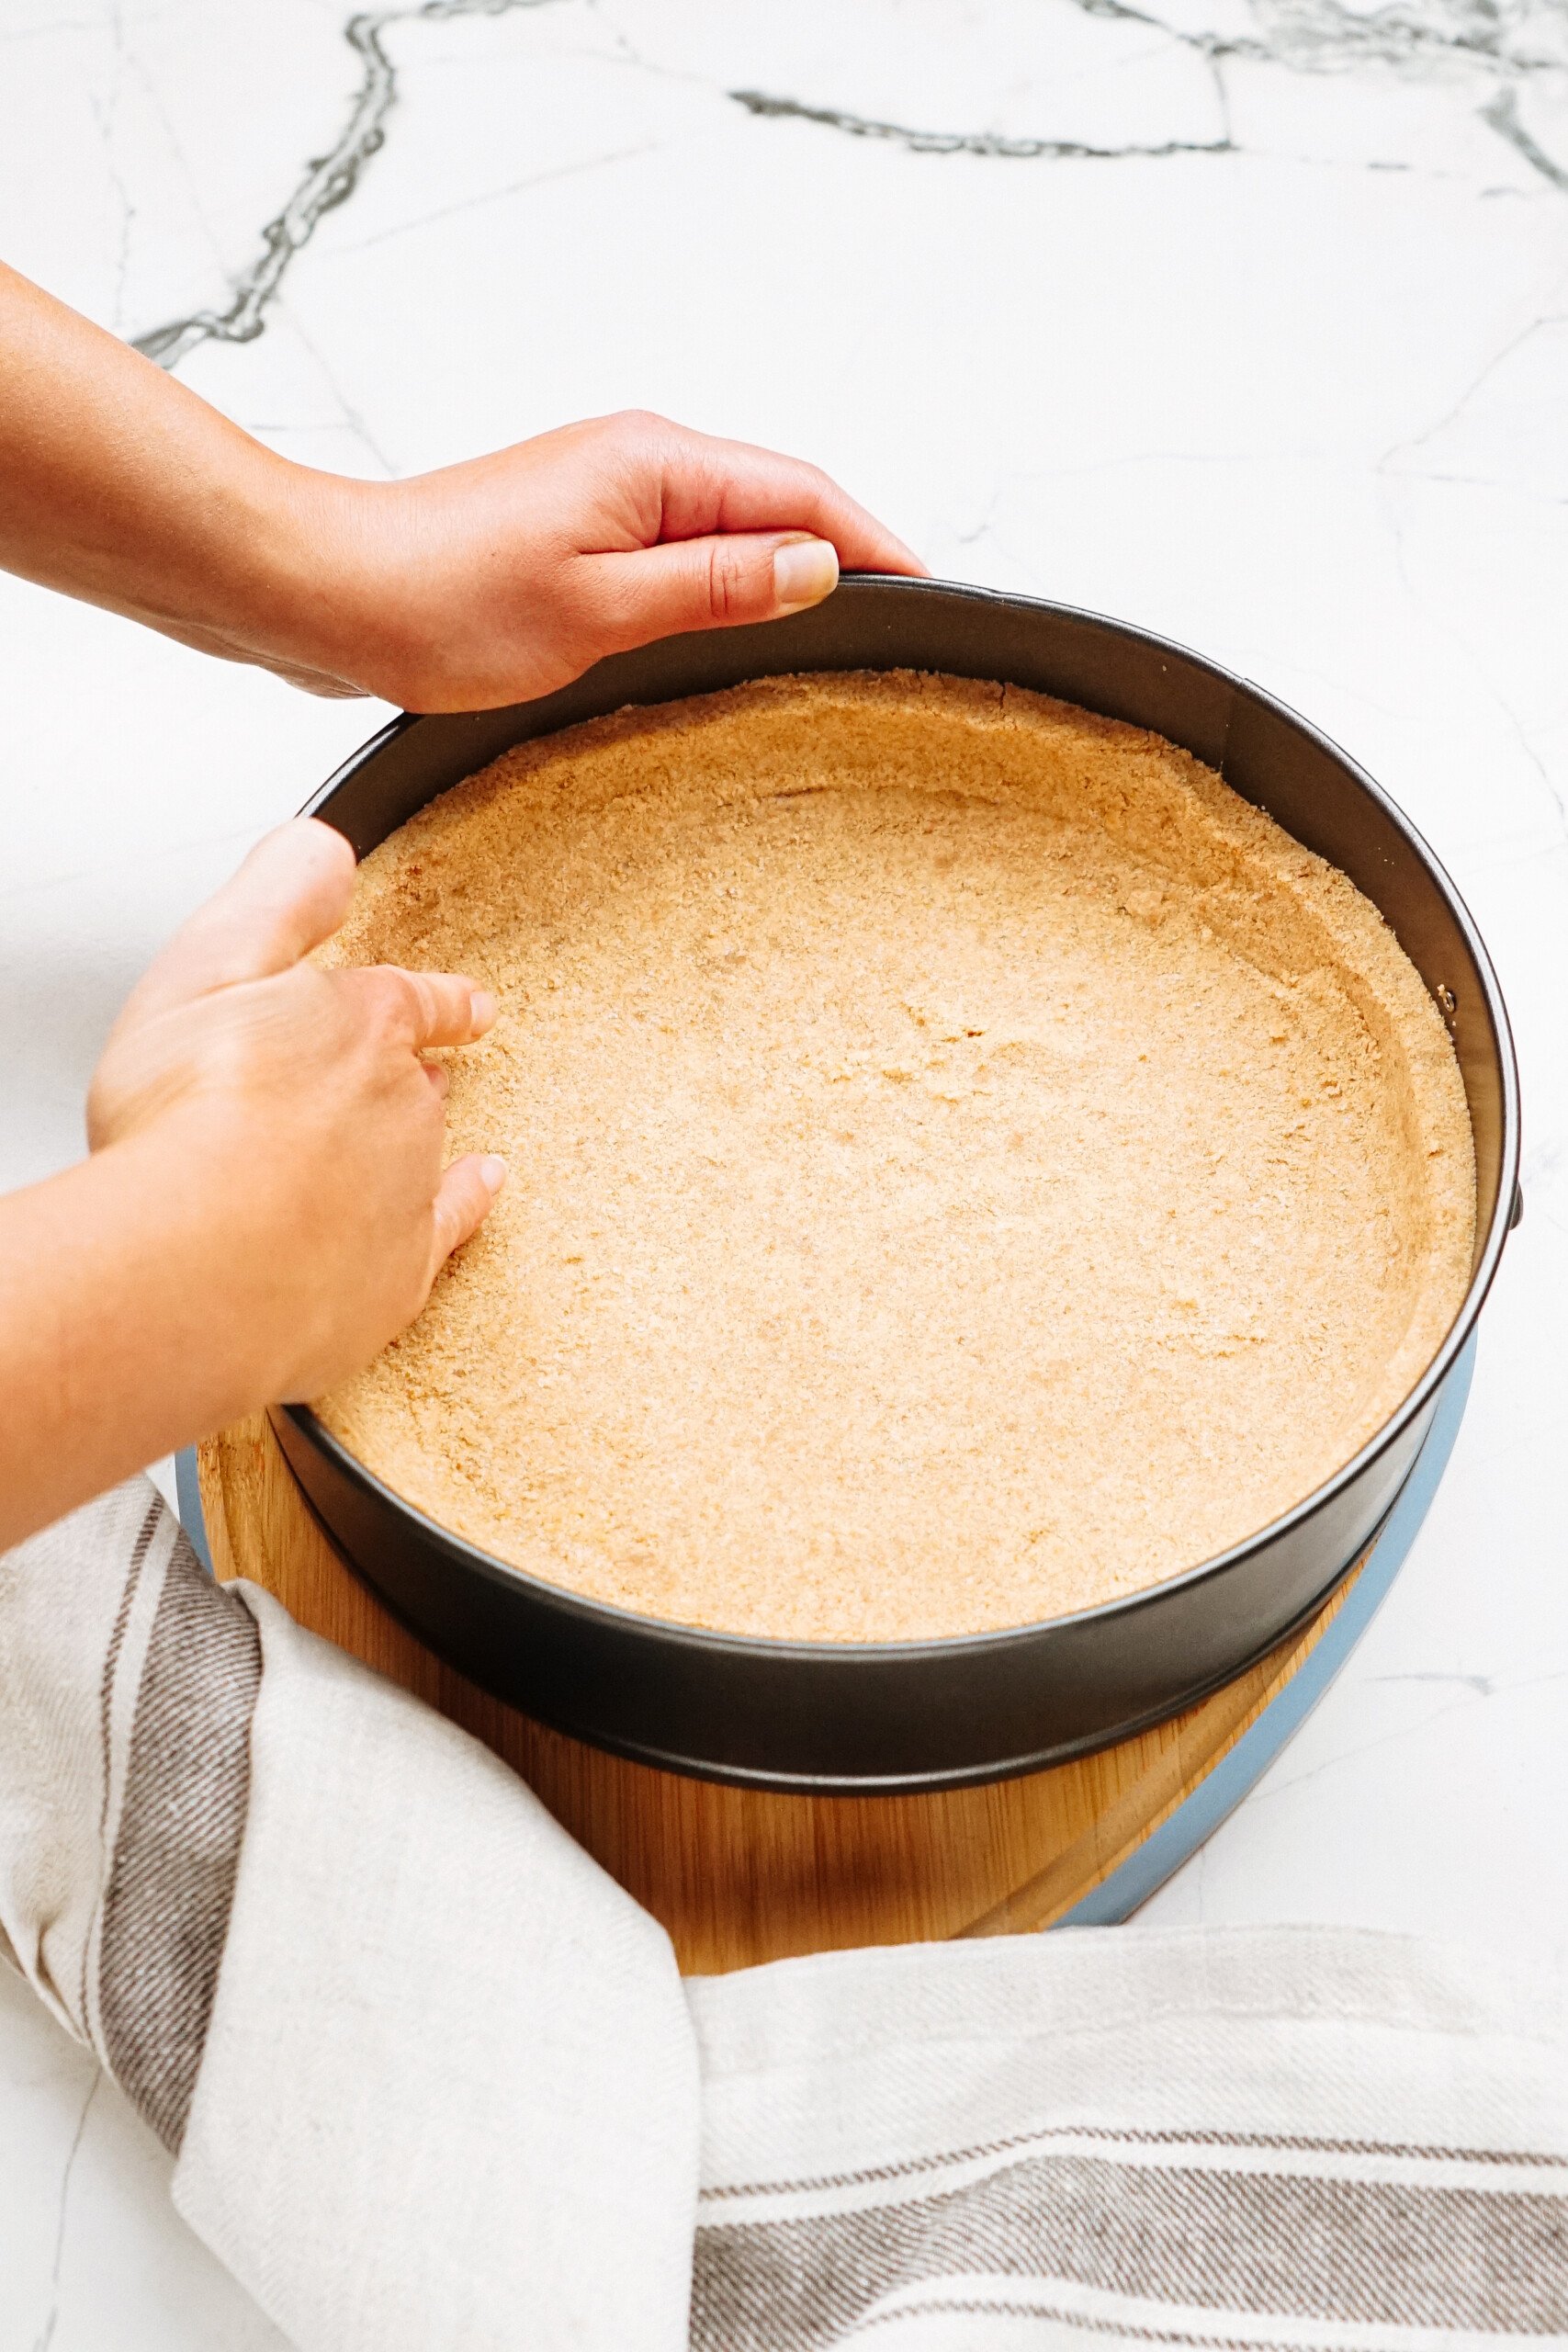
[[292, 892], [702, 583], [421, 1010], [710, 486], [466, 1194]]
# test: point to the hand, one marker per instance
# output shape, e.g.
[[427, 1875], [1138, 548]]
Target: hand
[[300, 1101], [502, 579], [263, 1206], [483, 584]]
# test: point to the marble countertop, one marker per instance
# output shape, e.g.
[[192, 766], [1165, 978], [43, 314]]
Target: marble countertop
[[1246, 319]]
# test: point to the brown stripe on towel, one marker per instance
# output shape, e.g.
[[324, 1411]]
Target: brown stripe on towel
[[138, 1551], [172, 1882], [1287, 2142], [1357, 2252]]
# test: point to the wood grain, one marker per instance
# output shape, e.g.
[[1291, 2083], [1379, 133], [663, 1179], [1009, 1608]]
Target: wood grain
[[740, 1876]]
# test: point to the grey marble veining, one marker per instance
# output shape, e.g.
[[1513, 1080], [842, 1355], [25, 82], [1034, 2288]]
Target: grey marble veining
[[990, 144], [328, 181], [1247, 320], [1495, 51]]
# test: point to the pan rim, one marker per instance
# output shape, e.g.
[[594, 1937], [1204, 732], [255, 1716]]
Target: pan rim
[[662, 1631]]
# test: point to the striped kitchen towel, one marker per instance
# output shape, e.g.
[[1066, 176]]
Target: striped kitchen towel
[[433, 2085], [428, 2074], [1219, 2140]]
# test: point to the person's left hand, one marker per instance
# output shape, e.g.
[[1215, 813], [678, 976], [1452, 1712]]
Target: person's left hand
[[499, 580]]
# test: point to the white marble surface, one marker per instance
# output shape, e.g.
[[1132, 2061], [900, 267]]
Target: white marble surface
[[1244, 318]]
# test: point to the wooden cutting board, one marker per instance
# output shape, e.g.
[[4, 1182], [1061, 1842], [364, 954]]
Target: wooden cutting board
[[741, 1875]]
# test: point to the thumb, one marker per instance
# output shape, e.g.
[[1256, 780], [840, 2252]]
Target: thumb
[[464, 1201], [709, 584], [292, 892]]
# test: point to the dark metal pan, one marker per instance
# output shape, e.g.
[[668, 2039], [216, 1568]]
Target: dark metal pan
[[903, 1715]]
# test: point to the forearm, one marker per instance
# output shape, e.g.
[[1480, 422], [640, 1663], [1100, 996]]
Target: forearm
[[119, 486], [125, 1328], [482, 584]]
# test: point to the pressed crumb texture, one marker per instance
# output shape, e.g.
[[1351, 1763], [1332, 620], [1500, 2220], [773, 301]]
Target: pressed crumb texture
[[966, 1163]]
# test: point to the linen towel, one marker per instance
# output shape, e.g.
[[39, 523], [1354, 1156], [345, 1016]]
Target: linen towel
[[433, 2082], [1244, 2138], [428, 2073]]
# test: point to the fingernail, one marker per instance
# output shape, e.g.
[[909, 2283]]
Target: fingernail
[[804, 570], [492, 1173], [482, 1009]]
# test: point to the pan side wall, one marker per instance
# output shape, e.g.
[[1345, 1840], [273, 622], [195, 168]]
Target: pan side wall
[[936, 1714]]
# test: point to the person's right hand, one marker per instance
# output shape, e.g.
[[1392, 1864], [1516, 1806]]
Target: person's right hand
[[295, 1108], [486, 582]]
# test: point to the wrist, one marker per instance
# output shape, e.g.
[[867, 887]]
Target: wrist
[[170, 1224], [121, 1337], [298, 583], [348, 576], [189, 1202]]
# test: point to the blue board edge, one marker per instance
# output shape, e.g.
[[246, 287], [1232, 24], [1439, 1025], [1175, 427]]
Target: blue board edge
[[187, 1499], [1216, 1796], [1176, 1840]]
